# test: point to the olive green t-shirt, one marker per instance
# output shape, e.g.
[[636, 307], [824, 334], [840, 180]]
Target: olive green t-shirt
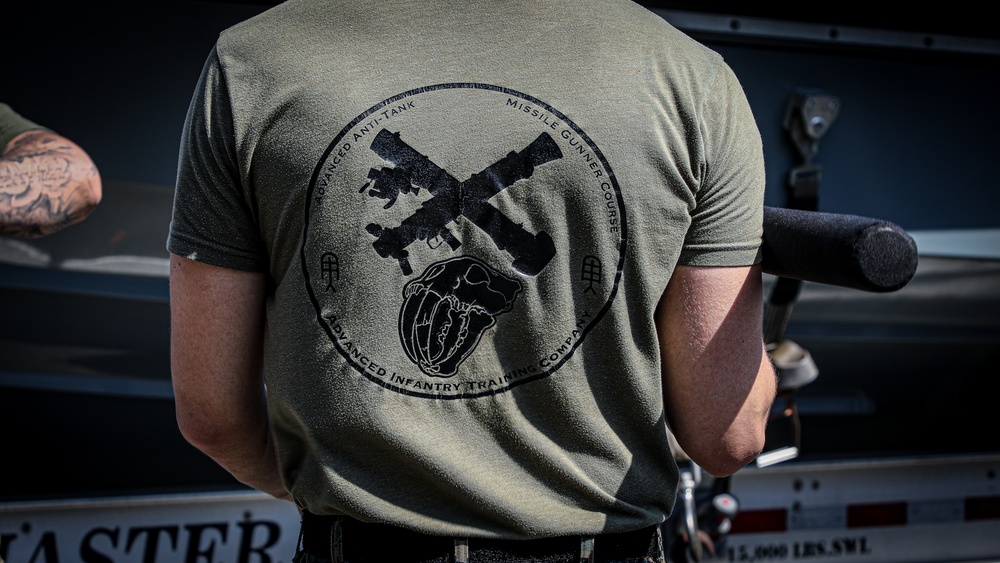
[[467, 212], [12, 125]]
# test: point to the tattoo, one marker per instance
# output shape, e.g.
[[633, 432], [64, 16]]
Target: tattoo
[[46, 184]]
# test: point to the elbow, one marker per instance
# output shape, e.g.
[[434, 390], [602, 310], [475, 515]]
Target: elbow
[[85, 196], [89, 191], [89, 198], [93, 193], [202, 432], [84, 193], [742, 439], [730, 451], [734, 454], [193, 431]]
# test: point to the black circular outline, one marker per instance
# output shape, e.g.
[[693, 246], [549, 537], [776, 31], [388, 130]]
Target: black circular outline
[[476, 86]]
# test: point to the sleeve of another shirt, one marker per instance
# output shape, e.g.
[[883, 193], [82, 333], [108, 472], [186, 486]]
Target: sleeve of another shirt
[[214, 218], [727, 220], [12, 125]]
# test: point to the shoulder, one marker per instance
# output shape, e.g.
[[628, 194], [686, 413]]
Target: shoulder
[[273, 28], [647, 33]]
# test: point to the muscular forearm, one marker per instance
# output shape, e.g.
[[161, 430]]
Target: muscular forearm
[[217, 327], [724, 429], [718, 382], [46, 183], [242, 445]]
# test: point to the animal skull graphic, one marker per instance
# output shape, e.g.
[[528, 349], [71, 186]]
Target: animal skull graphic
[[448, 308]]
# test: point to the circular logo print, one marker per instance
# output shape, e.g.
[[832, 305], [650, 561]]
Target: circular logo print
[[460, 240]]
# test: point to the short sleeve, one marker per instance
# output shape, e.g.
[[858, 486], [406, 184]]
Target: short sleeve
[[727, 222], [12, 125], [213, 215]]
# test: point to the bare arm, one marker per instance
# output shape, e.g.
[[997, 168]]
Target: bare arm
[[217, 328], [47, 183], [718, 381]]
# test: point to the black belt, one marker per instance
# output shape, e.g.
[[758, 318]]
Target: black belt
[[342, 539]]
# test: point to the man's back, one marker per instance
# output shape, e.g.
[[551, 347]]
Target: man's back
[[468, 213]]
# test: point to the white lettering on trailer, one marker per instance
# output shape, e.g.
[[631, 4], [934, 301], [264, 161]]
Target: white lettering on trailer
[[838, 547], [233, 527]]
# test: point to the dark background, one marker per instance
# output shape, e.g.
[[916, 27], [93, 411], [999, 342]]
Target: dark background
[[917, 130]]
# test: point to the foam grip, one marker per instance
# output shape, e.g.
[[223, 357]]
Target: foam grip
[[837, 249]]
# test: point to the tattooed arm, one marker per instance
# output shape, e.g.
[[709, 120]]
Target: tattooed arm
[[47, 183]]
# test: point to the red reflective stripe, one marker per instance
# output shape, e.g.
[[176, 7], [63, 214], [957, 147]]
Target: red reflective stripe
[[982, 508], [860, 515], [869, 515], [760, 521]]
